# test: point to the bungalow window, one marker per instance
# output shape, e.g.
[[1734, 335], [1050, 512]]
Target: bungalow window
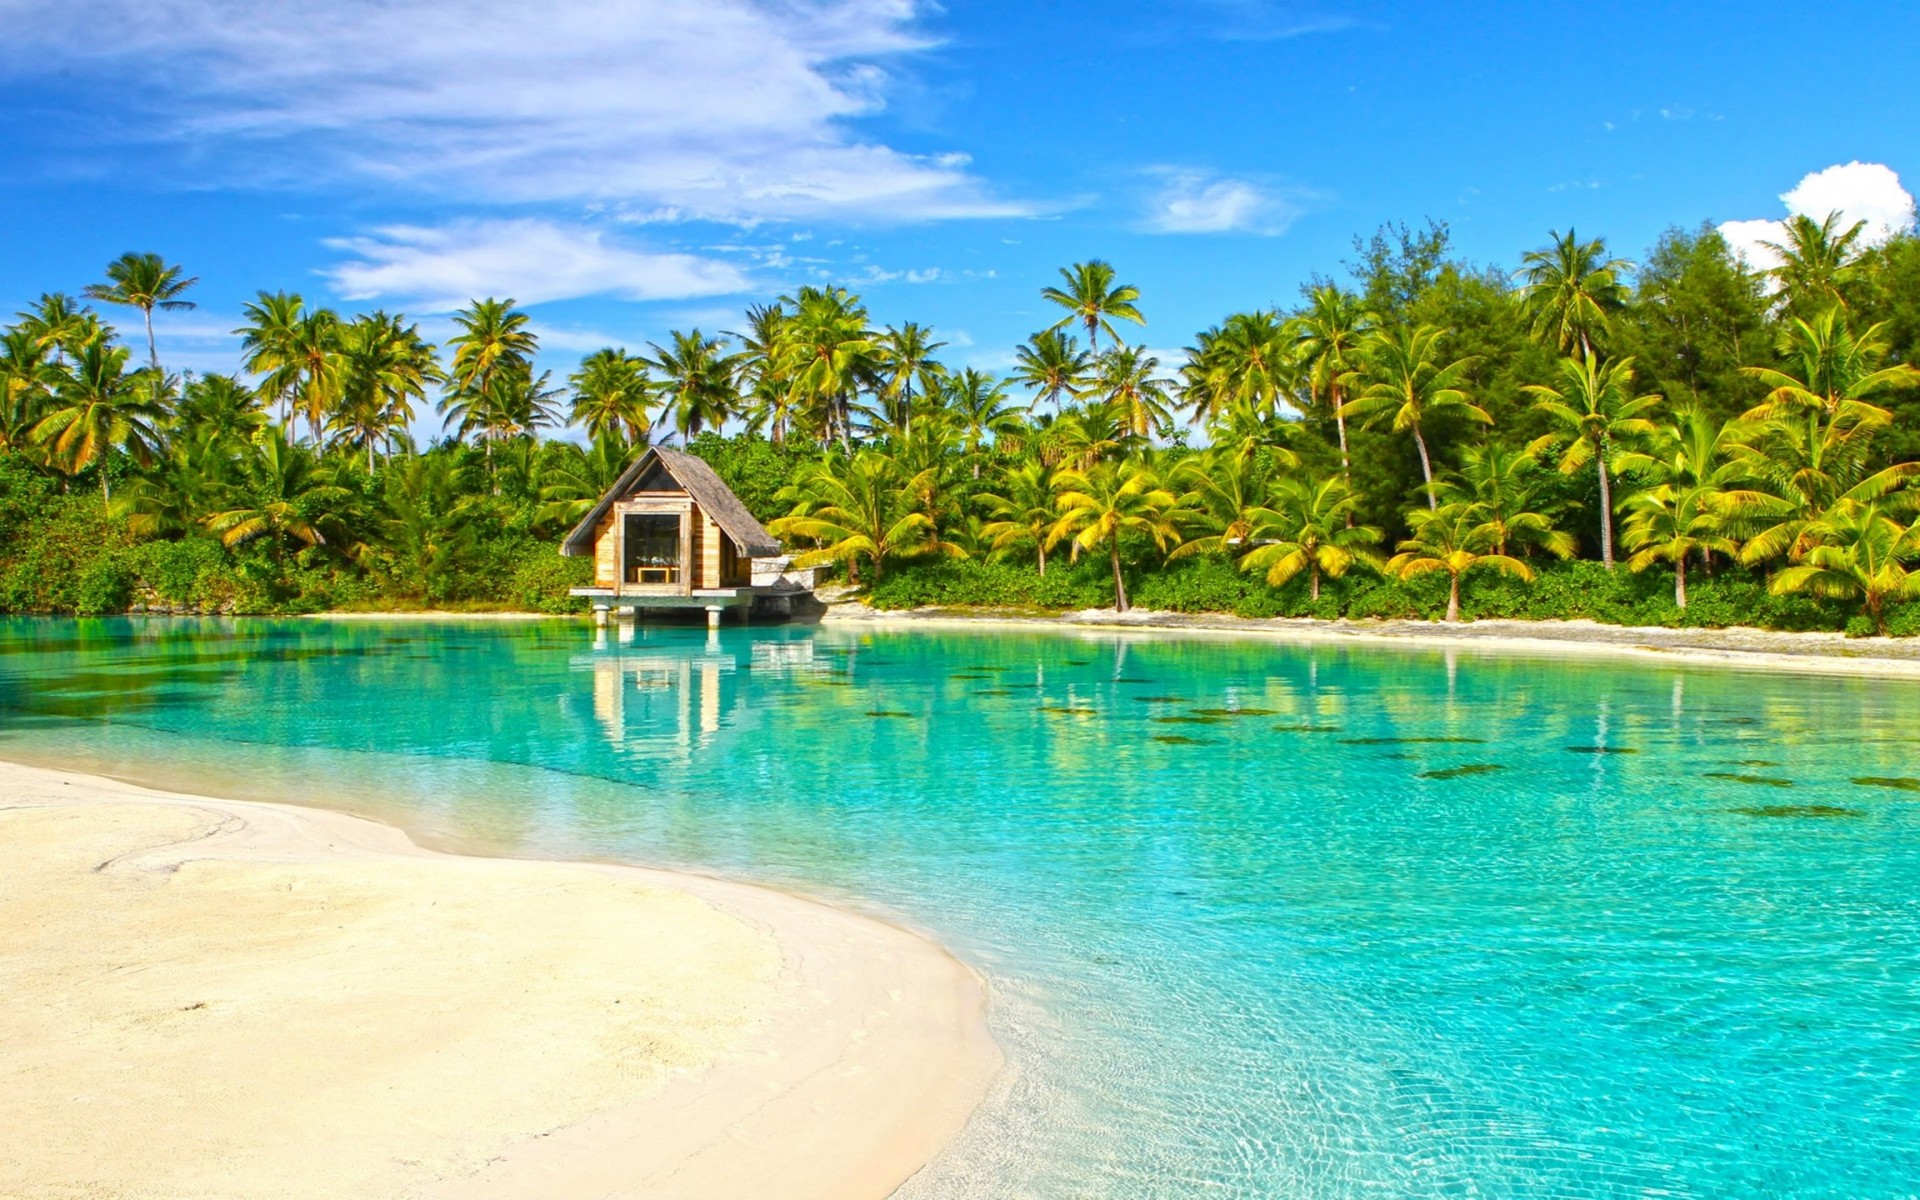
[[653, 548]]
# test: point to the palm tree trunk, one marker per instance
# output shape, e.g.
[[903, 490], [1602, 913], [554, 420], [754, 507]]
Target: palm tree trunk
[[1606, 506], [1313, 581], [153, 349], [1680, 582], [1426, 469], [1119, 584], [1340, 423], [1453, 597], [1043, 559]]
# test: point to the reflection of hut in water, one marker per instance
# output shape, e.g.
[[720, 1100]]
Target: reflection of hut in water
[[669, 534]]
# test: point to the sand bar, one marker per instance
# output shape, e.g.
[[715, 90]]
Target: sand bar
[[210, 999], [1748, 649]]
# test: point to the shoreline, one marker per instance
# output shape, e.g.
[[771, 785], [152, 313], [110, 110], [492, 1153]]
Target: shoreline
[[786, 1047], [1737, 647]]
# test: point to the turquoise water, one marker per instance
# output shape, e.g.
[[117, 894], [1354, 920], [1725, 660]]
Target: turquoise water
[[1260, 920]]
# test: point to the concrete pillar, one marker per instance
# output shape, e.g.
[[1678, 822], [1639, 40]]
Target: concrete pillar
[[600, 615], [713, 615]]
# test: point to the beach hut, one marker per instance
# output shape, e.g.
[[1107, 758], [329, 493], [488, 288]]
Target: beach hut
[[670, 534]]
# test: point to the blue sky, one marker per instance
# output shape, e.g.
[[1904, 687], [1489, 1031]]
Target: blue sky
[[626, 168]]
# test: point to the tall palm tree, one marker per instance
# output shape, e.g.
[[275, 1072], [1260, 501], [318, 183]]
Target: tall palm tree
[[493, 338], [100, 407], [1571, 289], [269, 344], [1329, 334], [613, 393], [1399, 372], [1247, 361], [1860, 552], [384, 367], [830, 352], [697, 380], [313, 352], [904, 359], [1022, 510], [1596, 411], [145, 282], [1454, 539], [1817, 260], [1127, 379], [1308, 527], [1051, 364], [1100, 506], [860, 509], [978, 404], [1094, 300], [763, 382]]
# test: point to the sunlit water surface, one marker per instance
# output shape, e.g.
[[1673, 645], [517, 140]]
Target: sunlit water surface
[[1260, 920]]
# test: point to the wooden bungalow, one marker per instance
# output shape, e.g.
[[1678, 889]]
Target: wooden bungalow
[[670, 534]]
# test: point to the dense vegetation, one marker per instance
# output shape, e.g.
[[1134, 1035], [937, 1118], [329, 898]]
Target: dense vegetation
[[1682, 440]]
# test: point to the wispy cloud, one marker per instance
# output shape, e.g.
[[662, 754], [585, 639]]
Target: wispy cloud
[[1268, 20], [533, 261], [724, 109], [1858, 191], [1193, 201]]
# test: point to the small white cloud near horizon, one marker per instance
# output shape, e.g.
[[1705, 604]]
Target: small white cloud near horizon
[[1191, 201], [1858, 191], [533, 261]]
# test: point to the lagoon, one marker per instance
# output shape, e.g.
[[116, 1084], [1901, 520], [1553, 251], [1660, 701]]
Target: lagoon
[[1260, 920]]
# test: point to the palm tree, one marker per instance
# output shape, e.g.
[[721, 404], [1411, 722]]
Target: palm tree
[[58, 324], [1596, 410], [1329, 334], [576, 482], [1399, 372], [1860, 552], [1226, 499], [1498, 481], [268, 344], [1126, 379], [1454, 539], [27, 382], [978, 404], [1816, 260], [1247, 362], [313, 346], [1091, 434], [697, 381], [493, 337], [1671, 521], [1308, 528], [1571, 289], [904, 359], [762, 374], [283, 495], [1093, 299], [220, 409], [1098, 506], [1051, 364], [514, 405], [145, 282], [830, 351], [613, 394], [1023, 510], [858, 507], [384, 367], [100, 407]]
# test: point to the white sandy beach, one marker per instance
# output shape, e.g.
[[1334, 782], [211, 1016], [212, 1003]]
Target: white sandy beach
[[1746, 649], [211, 999]]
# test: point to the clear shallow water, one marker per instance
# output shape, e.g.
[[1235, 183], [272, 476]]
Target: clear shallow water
[[1261, 921]]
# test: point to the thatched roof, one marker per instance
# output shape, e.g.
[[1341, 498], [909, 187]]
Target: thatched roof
[[697, 479]]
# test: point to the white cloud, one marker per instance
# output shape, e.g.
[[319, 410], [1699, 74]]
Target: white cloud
[[533, 261], [721, 109], [1858, 191], [1200, 202]]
